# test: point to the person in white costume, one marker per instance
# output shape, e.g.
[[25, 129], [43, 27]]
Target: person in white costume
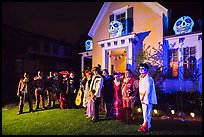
[[147, 94]]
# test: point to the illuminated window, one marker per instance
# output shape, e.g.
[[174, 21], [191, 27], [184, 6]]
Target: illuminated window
[[173, 63], [189, 61]]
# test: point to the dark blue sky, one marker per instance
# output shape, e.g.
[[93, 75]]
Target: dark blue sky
[[70, 20]]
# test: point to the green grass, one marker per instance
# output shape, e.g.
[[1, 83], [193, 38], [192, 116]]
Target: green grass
[[74, 122]]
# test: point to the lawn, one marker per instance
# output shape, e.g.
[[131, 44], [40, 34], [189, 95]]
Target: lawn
[[74, 122]]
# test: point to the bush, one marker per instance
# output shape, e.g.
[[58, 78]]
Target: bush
[[180, 101]]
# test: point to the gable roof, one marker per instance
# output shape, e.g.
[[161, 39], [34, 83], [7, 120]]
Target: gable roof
[[155, 6]]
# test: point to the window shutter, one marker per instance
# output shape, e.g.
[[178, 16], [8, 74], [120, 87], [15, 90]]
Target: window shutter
[[111, 18], [129, 20]]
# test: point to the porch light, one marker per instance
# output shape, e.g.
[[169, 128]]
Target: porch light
[[172, 112], [192, 114]]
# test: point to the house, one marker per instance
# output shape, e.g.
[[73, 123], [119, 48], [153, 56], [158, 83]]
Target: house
[[23, 51], [122, 30], [183, 61], [33, 51]]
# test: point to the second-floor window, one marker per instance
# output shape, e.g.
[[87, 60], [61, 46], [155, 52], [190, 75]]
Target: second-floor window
[[189, 63], [125, 16], [122, 18]]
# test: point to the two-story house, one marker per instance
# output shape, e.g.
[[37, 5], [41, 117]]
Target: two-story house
[[122, 30]]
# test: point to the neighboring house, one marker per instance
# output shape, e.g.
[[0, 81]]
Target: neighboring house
[[122, 30], [23, 51], [183, 61], [32, 51]]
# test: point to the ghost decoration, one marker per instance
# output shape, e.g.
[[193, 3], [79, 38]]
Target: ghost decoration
[[115, 29], [183, 25], [88, 45]]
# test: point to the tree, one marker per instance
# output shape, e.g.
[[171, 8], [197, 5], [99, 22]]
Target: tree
[[154, 58]]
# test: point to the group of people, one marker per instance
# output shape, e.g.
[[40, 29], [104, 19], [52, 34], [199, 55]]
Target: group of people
[[113, 94], [53, 88]]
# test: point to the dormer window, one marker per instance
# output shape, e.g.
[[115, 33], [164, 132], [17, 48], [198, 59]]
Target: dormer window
[[125, 16], [122, 18]]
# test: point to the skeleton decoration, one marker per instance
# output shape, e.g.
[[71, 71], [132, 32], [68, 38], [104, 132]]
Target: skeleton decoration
[[115, 29], [88, 45], [183, 25]]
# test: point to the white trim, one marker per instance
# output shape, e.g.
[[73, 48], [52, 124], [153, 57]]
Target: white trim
[[85, 53], [118, 11], [181, 36], [127, 45], [157, 8], [128, 48], [82, 63], [99, 18], [118, 38], [103, 58]]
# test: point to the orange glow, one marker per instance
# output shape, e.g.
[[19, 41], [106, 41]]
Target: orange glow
[[174, 67]]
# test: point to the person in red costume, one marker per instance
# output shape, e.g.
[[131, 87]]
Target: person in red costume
[[129, 91], [117, 96]]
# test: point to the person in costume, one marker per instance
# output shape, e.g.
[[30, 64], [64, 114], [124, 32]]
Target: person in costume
[[24, 92], [147, 94], [129, 92]]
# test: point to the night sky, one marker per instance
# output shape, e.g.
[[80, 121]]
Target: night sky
[[68, 21]]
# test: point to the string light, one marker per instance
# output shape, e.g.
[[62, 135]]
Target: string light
[[118, 56]]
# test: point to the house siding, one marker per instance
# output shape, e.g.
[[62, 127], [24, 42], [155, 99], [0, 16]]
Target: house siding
[[144, 19]]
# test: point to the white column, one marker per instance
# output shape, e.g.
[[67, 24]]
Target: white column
[[109, 62], [103, 59], [82, 62], [129, 57]]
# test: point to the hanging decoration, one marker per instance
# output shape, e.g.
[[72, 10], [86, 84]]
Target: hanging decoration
[[183, 25], [118, 56], [115, 29], [88, 45]]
